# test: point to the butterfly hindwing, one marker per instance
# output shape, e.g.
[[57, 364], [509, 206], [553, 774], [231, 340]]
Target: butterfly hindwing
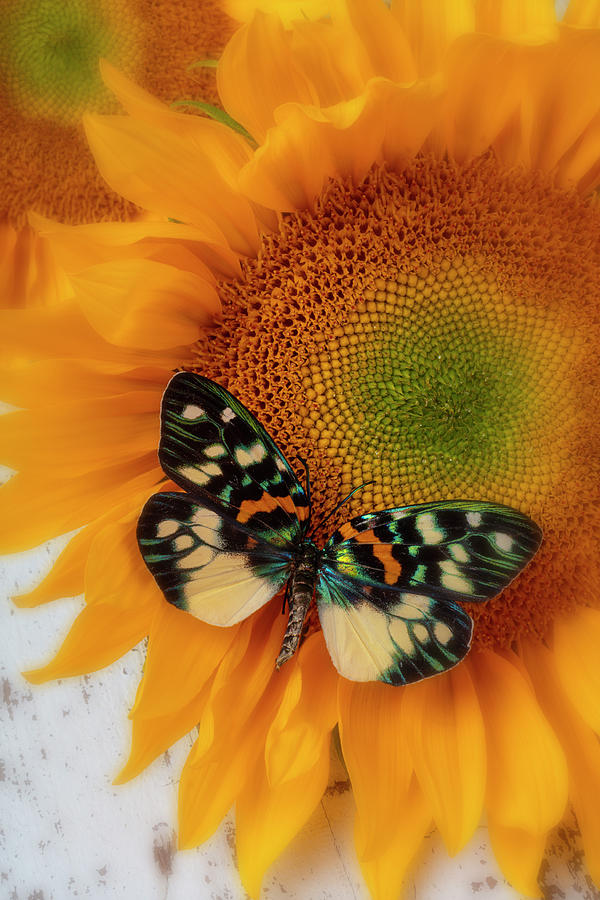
[[215, 449], [466, 550], [377, 633], [204, 563]]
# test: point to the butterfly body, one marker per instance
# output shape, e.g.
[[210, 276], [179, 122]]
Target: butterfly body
[[301, 590], [386, 583]]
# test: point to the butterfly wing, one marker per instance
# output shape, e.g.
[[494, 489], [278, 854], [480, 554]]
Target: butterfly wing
[[214, 448], [377, 633], [223, 549], [467, 550], [402, 570], [204, 563]]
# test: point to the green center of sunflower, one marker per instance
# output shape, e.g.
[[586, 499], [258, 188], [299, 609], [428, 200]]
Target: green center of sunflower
[[440, 387], [435, 333], [51, 53]]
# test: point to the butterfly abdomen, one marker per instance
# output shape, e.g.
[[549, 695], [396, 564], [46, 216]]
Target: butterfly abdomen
[[301, 590]]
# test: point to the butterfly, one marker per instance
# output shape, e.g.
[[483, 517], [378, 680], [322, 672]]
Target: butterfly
[[386, 583]]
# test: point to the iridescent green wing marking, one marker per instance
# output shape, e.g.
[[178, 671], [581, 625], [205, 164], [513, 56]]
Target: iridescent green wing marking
[[204, 563], [403, 571], [225, 548], [214, 448]]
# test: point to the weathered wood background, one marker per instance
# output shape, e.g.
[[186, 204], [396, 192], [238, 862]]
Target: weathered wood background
[[67, 832]]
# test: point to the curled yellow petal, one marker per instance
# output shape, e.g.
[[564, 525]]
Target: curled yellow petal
[[165, 173], [251, 93], [142, 303]]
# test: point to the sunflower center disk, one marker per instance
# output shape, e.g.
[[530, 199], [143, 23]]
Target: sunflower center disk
[[51, 55], [431, 333], [426, 391]]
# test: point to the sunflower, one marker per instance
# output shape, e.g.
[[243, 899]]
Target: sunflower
[[392, 260], [48, 77]]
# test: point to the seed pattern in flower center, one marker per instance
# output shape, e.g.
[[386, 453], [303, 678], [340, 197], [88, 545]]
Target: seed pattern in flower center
[[434, 377], [435, 332], [52, 52]]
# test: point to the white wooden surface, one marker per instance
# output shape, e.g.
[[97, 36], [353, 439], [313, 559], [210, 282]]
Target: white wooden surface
[[65, 831]]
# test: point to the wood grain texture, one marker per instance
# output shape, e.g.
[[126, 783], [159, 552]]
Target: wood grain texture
[[66, 831]]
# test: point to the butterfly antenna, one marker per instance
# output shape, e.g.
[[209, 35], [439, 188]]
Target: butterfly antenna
[[307, 474], [345, 500]]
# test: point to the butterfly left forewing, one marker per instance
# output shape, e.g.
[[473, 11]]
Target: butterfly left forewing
[[204, 563], [214, 448], [377, 633]]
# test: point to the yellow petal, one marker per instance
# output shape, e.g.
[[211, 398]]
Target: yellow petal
[[527, 772], [310, 145], [583, 14], [377, 757], [77, 247], [36, 507], [385, 868], [182, 654], [29, 274], [241, 679], [151, 737], [269, 815], [66, 578], [211, 782], [431, 27], [142, 303], [576, 642], [257, 73], [519, 855], [580, 744], [122, 599], [518, 21], [48, 383], [289, 11], [487, 79], [560, 112], [300, 731], [99, 635], [228, 150], [117, 430], [383, 39], [446, 736], [173, 177], [65, 333]]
